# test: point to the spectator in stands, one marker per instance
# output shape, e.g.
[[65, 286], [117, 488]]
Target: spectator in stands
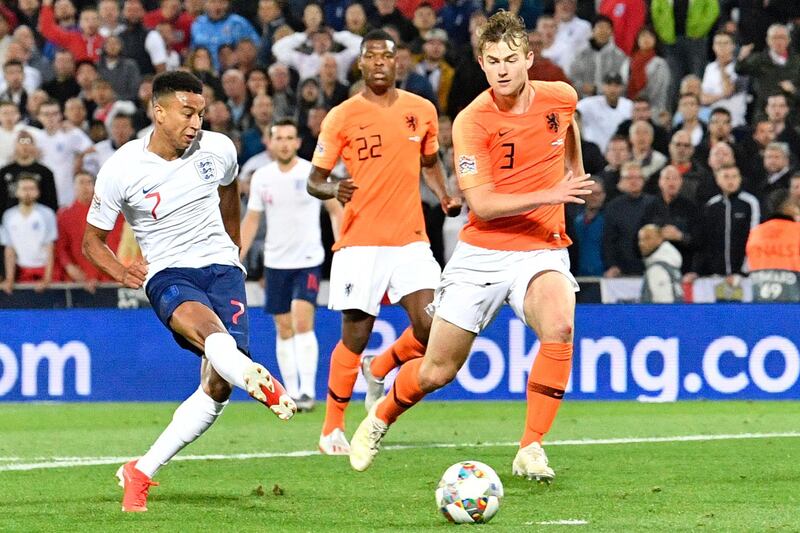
[[118, 70], [28, 232], [120, 132], [721, 85], [386, 13], [35, 101], [12, 89], [643, 111], [542, 68], [332, 91], [683, 27], [200, 64], [31, 77], [75, 114], [572, 33], [85, 74], [434, 67], [108, 15], [773, 252], [587, 231], [308, 97], [71, 221], [602, 114], [675, 215], [104, 98], [147, 47], [261, 111], [355, 19], [28, 15], [777, 112], [235, 96], [424, 20], [246, 55], [322, 40], [773, 70], [217, 27], [681, 153], [794, 188], [311, 130], [83, 44], [9, 126], [594, 62], [547, 27], [25, 164], [454, 18], [25, 38], [720, 130], [725, 222], [752, 151], [63, 86], [180, 22], [689, 108], [252, 164], [218, 118], [60, 148], [283, 97], [641, 139], [257, 82], [469, 80], [270, 18], [777, 172], [661, 283], [648, 74], [628, 17], [624, 216], [593, 160], [617, 152], [408, 79]]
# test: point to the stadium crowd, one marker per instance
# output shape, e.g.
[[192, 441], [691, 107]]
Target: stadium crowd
[[687, 111]]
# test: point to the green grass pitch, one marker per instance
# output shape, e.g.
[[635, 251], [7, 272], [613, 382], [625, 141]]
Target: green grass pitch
[[731, 484]]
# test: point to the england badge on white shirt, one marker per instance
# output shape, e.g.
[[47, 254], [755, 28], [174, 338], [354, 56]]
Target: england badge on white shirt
[[205, 167]]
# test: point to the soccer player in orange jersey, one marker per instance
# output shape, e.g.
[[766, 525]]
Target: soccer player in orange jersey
[[511, 144], [385, 136]]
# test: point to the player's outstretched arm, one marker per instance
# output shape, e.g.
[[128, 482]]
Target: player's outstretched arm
[[97, 251], [335, 211], [231, 209], [488, 204], [318, 186], [248, 230], [433, 174]]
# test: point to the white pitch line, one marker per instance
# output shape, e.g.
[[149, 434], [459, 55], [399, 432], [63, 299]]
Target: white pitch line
[[68, 462], [569, 522]]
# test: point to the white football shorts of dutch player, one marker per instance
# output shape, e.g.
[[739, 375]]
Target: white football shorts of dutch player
[[477, 282], [172, 206], [361, 275]]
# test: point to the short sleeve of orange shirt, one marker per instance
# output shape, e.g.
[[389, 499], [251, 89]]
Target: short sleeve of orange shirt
[[517, 154], [381, 149]]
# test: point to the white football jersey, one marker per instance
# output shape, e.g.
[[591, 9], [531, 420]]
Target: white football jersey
[[58, 154], [172, 206], [294, 239]]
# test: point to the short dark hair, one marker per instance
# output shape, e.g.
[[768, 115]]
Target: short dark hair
[[283, 122], [377, 35], [82, 62], [176, 80], [720, 111], [603, 18], [13, 63]]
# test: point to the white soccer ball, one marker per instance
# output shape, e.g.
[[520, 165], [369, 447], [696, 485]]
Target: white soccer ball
[[469, 492]]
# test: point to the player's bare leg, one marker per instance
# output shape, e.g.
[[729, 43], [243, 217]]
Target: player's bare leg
[[286, 354], [410, 345], [550, 310], [306, 350], [448, 349], [199, 325], [345, 359]]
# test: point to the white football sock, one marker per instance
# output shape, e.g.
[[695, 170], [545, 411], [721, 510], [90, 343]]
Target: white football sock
[[287, 363], [191, 419], [307, 350], [226, 359]]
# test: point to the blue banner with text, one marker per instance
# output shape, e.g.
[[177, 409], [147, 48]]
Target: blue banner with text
[[636, 352]]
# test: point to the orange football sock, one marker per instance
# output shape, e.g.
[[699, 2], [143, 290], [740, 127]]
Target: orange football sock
[[342, 378], [405, 392], [404, 349], [546, 383]]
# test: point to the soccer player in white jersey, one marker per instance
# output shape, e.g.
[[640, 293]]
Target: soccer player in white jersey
[[293, 256], [176, 187]]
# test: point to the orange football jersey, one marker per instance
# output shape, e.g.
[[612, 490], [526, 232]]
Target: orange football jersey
[[381, 148], [518, 154]]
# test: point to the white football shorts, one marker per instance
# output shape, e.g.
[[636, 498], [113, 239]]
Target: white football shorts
[[477, 282], [361, 275]]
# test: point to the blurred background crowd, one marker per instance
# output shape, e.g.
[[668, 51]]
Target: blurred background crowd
[[687, 111]]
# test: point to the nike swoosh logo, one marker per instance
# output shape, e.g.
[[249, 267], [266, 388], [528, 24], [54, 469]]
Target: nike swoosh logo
[[502, 133], [365, 126], [145, 191]]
